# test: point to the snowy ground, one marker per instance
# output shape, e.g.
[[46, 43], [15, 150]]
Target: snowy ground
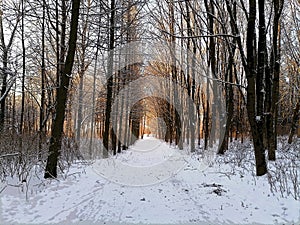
[[151, 183]]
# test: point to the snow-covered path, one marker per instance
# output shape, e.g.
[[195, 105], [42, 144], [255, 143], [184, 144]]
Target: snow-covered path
[[183, 194]]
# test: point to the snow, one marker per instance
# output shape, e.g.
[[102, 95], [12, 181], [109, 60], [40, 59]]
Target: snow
[[258, 118], [151, 183]]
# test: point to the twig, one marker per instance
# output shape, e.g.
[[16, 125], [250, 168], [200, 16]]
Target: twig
[[11, 154], [200, 36], [3, 189]]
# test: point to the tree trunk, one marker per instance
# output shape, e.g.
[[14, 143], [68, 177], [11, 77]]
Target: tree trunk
[[275, 71], [261, 69], [43, 78], [230, 107], [254, 120], [191, 79], [61, 97], [80, 105], [23, 69], [109, 85], [91, 145], [3, 91], [228, 88], [213, 67]]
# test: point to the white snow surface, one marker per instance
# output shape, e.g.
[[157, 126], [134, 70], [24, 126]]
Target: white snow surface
[[177, 190]]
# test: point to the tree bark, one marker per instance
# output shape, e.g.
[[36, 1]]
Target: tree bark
[[43, 78], [80, 105], [23, 69], [261, 69], [3, 91], [229, 108], [228, 87], [109, 85], [254, 119], [61, 97], [275, 72]]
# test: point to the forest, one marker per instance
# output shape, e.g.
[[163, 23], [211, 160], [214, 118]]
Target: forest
[[86, 80]]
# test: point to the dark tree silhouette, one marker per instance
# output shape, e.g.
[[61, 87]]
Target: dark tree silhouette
[[61, 97]]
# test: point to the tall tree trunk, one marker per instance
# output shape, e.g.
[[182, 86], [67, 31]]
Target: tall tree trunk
[[254, 120], [94, 95], [23, 69], [275, 71], [261, 69], [80, 105], [172, 89], [229, 107], [57, 38], [3, 90], [61, 97], [43, 79], [210, 9], [228, 87], [62, 44], [127, 120], [206, 112], [109, 85], [191, 79]]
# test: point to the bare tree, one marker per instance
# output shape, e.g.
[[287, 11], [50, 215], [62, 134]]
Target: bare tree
[[7, 76], [61, 97]]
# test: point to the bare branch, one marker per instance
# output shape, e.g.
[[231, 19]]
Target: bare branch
[[200, 36]]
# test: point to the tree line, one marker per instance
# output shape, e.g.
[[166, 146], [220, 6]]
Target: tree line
[[61, 76]]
